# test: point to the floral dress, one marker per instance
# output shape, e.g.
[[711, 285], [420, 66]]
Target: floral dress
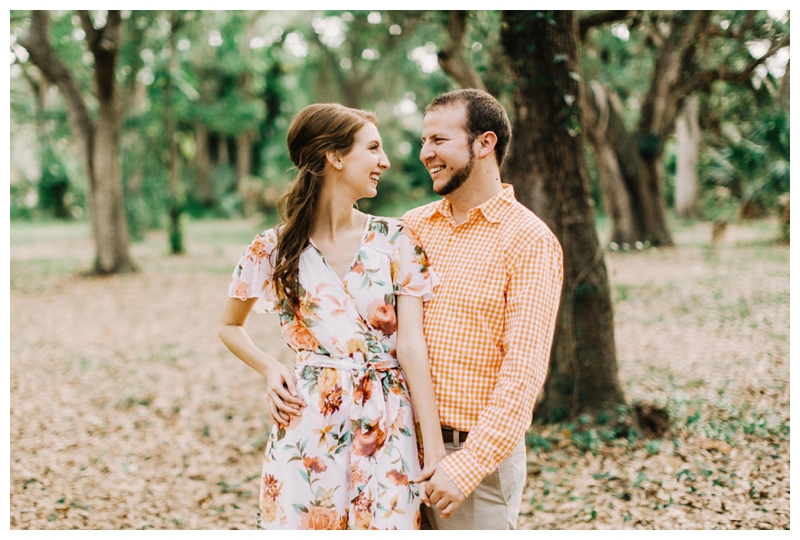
[[346, 462]]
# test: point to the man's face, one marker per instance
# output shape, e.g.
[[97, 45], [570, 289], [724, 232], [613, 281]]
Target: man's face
[[446, 150]]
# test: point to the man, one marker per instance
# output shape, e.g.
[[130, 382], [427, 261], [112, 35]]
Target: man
[[490, 328]]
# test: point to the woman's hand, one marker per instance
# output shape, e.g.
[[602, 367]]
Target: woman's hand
[[282, 399]]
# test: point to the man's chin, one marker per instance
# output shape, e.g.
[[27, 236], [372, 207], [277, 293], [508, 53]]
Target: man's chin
[[446, 188], [442, 187]]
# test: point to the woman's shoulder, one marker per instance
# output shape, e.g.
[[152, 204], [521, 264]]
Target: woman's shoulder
[[385, 232], [388, 227], [267, 236], [261, 246]]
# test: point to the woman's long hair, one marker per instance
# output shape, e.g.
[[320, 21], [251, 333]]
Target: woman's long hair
[[316, 130]]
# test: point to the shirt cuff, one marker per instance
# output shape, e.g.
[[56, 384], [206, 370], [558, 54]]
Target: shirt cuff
[[464, 470]]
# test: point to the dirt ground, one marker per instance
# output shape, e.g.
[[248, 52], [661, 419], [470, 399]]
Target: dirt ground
[[128, 412]]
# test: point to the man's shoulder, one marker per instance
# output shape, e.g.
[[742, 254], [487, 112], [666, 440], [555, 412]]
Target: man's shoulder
[[521, 223], [418, 215]]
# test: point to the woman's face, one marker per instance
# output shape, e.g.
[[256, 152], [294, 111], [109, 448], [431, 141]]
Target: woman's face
[[363, 165]]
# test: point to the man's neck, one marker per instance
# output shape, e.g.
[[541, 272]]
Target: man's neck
[[479, 188]]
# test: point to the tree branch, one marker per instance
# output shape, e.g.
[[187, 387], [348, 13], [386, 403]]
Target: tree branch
[[724, 74], [112, 31], [37, 42], [733, 33], [92, 35], [451, 57], [599, 18], [105, 57]]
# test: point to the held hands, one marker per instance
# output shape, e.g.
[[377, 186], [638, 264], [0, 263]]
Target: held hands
[[437, 488], [282, 399]]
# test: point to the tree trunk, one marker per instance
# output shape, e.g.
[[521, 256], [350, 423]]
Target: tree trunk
[[204, 187], [202, 167], [223, 155], [99, 143], [244, 184], [656, 214], [687, 135], [783, 89], [52, 191], [176, 202], [546, 164], [451, 56], [244, 141], [617, 163]]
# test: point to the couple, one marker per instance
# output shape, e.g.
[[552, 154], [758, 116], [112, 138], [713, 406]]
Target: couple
[[382, 412]]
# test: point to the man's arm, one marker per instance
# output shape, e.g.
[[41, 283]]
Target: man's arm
[[534, 291]]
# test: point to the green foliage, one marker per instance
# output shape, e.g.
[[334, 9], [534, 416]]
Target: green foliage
[[238, 72], [746, 132], [746, 162]]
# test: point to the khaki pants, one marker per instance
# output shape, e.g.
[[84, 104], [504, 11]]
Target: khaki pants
[[495, 502]]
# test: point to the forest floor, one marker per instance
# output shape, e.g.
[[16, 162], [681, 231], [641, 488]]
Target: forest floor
[[128, 412]]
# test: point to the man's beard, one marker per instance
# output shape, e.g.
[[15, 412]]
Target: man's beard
[[458, 178]]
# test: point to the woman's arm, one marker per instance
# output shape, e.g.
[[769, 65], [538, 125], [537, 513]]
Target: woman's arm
[[282, 399], [412, 353]]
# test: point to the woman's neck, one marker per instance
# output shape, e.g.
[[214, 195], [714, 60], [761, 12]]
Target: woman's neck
[[335, 216]]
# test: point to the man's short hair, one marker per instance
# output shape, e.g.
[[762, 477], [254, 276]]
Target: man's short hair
[[484, 113]]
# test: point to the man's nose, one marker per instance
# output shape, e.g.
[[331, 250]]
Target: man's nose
[[426, 152]]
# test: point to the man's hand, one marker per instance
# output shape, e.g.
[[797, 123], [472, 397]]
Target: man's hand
[[440, 490]]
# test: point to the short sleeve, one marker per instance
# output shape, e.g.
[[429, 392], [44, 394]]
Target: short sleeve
[[410, 271], [252, 277]]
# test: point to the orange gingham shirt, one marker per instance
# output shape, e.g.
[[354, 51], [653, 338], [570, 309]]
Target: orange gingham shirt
[[490, 327]]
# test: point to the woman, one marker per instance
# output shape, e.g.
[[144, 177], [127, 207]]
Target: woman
[[349, 289]]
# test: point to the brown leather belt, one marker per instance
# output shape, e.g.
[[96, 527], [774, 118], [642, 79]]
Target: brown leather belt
[[454, 436]]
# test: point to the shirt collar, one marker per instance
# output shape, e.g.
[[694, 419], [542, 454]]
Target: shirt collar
[[492, 210]]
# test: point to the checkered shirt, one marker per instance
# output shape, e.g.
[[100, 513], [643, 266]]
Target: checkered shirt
[[490, 328]]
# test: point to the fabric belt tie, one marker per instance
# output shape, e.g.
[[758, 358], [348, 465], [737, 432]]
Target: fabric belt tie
[[367, 408]]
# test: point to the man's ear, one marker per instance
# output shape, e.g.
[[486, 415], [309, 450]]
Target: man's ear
[[487, 142], [334, 158]]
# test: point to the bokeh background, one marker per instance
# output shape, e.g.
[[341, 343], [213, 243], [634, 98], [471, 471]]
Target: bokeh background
[[148, 148]]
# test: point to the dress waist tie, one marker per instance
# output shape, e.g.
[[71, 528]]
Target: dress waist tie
[[367, 408]]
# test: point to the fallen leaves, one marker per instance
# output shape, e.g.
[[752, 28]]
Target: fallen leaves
[[128, 412], [686, 342]]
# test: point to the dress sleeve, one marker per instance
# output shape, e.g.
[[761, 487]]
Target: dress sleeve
[[410, 271], [252, 277]]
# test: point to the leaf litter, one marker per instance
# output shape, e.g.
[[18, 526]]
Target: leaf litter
[[127, 412]]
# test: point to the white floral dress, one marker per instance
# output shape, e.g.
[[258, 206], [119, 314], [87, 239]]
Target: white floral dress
[[347, 461]]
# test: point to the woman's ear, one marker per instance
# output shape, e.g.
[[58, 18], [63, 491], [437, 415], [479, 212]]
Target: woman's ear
[[334, 158], [487, 141]]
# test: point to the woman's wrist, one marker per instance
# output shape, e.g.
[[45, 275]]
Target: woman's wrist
[[266, 365], [434, 455], [432, 434]]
